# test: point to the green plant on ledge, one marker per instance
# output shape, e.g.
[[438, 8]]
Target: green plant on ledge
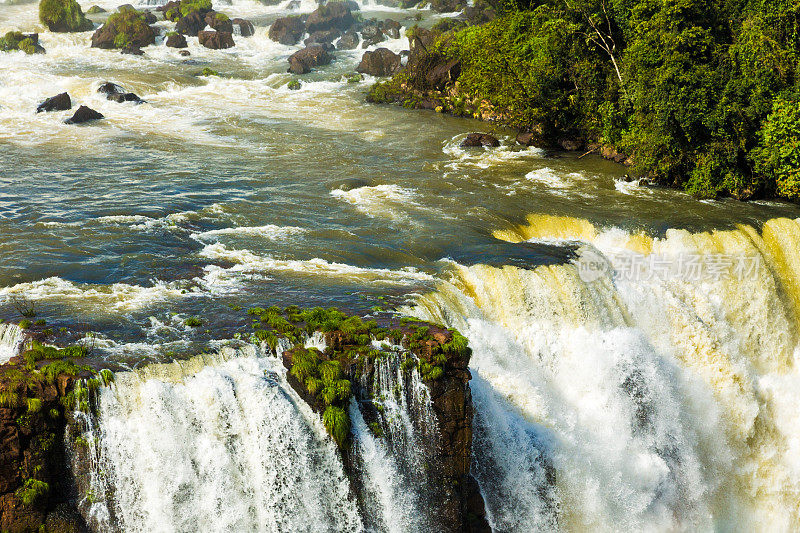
[[32, 490]]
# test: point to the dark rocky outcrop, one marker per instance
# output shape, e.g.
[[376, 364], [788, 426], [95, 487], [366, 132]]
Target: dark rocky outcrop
[[349, 41], [63, 16], [216, 40], [287, 30], [126, 29], [333, 15], [219, 22], [381, 62], [391, 28], [37, 400], [191, 24], [132, 49], [84, 114], [480, 139], [116, 93], [322, 37], [302, 61], [176, 40], [245, 27], [149, 18], [372, 35], [60, 102], [27, 42]]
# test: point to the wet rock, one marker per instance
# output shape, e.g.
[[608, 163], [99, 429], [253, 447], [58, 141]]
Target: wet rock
[[63, 16], [381, 62], [108, 88], [349, 41], [442, 74], [372, 35], [570, 145], [216, 40], [480, 139], [94, 10], [60, 102], [124, 30], [243, 27], [171, 10], [149, 18], [132, 50], [219, 22], [176, 40], [28, 43], [479, 14], [528, 138], [391, 28], [329, 16], [322, 37], [126, 7], [83, 114], [185, 53], [293, 5], [302, 61], [117, 93], [191, 24], [287, 30]]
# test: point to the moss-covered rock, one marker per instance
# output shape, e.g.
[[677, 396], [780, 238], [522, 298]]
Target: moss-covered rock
[[14, 40], [124, 30], [95, 10], [63, 16]]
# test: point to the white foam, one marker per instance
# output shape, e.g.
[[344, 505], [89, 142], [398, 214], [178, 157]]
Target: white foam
[[383, 201]]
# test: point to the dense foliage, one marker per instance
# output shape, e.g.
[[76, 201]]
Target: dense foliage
[[702, 93]]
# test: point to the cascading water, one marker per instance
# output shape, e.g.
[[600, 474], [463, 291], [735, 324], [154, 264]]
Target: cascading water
[[635, 396], [11, 338], [212, 444]]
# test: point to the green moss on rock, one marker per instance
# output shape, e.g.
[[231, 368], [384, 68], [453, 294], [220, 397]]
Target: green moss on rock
[[63, 16]]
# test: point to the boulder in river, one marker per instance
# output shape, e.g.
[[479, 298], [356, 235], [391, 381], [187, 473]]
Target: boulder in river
[[132, 50], [27, 42], [480, 139], [60, 102], [287, 30], [63, 16], [126, 29], [117, 93], [329, 16], [191, 24], [391, 28], [83, 114], [94, 10], [176, 40], [349, 41], [216, 40], [219, 22], [302, 61], [381, 62], [372, 35], [322, 37], [245, 27]]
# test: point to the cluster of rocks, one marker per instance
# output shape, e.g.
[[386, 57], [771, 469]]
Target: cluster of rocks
[[63, 102], [27, 42], [331, 27]]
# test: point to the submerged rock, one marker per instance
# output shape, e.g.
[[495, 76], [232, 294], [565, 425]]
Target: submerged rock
[[381, 62], [302, 61], [132, 50], [333, 15], [216, 40], [63, 16], [480, 139], [126, 29], [84, 114], [287, 30], [60, 102]]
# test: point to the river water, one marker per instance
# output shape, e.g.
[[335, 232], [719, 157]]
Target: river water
[[661, 404]]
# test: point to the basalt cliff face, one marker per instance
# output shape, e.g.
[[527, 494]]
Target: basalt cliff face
[[35, 482], [413, 393]]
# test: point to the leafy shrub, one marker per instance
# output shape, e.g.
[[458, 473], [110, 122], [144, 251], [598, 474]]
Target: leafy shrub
[[337, 423]]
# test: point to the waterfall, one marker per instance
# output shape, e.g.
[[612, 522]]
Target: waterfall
[[619, 392], [11, 338], [216, 443]]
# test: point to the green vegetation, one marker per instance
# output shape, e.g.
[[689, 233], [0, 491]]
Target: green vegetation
[[193, 322], [15, 40], [130, 28], [32, 490], [63, 16], [208, 72], [25, 324], [94, 10], [353, 78], [337, 423], [702, 94], [294, 85], [201, 6]]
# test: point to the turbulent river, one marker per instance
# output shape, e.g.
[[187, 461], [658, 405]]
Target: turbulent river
[[635, 362]]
